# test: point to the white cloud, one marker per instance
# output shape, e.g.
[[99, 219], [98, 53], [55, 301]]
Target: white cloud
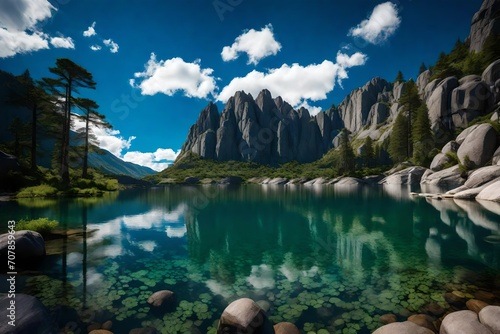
[[313, 111], [18, 21], [95, 47], [113, 47], [256, 44], [296, 83], [62, 42], [158, 160], [173, 75], [20, 15], [381, 24], [14, 42], [90, 31]]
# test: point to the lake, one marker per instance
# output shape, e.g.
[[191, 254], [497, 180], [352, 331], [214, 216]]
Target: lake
[[322, 257]]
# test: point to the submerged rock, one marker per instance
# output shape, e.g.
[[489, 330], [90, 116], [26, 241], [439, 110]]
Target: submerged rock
[[244, 315], [29, 245], [406, 327], [463, 322], [286, 328], [30, 316], [161, 297], [476, 305]]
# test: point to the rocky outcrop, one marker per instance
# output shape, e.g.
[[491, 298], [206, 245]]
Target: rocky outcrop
[[485, 22], [448, 178], [422, 81], [201, 138], [478, 146], [30, 316], [468, 101], [490, 317], [439, 103], [492, 73], [482, 176]]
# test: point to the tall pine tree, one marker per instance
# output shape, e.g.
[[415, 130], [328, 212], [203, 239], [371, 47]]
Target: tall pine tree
[[423, 139], [398, 142], [410, 101], [345, 154]]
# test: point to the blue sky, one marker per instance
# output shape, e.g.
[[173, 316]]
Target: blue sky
[[157, 63]]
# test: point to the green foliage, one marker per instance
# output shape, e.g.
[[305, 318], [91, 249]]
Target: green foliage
[[399, 77], [422, 69], [86, 192], [452, 156], [398, 143], [467, 165], [44, 226], [344, 158], [423, 139], [42, 190], [368, 154]]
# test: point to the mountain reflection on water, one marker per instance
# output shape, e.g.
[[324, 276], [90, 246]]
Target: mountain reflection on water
[[286, 245]]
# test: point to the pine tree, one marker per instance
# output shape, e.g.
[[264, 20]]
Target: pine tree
[[423, 139], [399, 77], [422, 69], [398, 143], [70, 77], [90, 117], [345, 154], [410, 101], [368, 153]]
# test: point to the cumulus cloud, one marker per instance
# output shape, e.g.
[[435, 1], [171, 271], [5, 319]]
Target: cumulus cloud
[[90, 31], [62, 42], [95, 47], [382, 23], [175, 75], [296, 83], [158, 160], [113, 47], [18, 26], [256, 44]]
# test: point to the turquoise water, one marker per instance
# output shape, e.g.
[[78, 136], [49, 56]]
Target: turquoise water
[[333, 258]]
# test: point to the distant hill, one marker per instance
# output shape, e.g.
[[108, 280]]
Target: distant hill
[[110, 164]]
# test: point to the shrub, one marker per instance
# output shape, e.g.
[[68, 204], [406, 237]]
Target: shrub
[[41, 225], [42, 190]]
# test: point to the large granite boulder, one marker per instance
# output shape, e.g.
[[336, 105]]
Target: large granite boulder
[[422, 81], [468, 101], [490, 317], [378, 114], [406, 327], [461, 137], [31, 317], [478, 146], [429, 89], [244, 316], [463, 322], [484, 23], [439, 161], [482, 175], [447, 178], [410, 175], [496, 157], [451, 146], [490, 193], [29, 246], [439, 103], [492, 73], [286, 328]]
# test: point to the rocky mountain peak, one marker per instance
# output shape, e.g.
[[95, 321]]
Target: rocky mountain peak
[[484, 23]]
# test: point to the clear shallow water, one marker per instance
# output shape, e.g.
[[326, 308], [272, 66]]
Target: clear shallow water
[[321, 257]]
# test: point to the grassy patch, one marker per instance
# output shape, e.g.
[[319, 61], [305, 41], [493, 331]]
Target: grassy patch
[[44, 226], [42, 190]]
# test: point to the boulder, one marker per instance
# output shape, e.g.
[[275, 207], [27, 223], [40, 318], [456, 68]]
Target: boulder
[[349, 181], [406, 327], [388, 318], [230, 180], [244, 315], [422, 81], [490, 317], [423, 320], [476, 305], [161, 297], [191, 180], [461, 137], [439, 103], [429, 89], [448, 178], [278, 181], [468, 193], [410, 175], [478, 146], [490, 193], [469, 101], [451, 146], [492, 73], [439, 161], [317, 181], [463, 322], [378, 114], [434, 309], [496, 157], [286, 328], [469, 78], [29, 246], [30, 316], [482, 176]]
